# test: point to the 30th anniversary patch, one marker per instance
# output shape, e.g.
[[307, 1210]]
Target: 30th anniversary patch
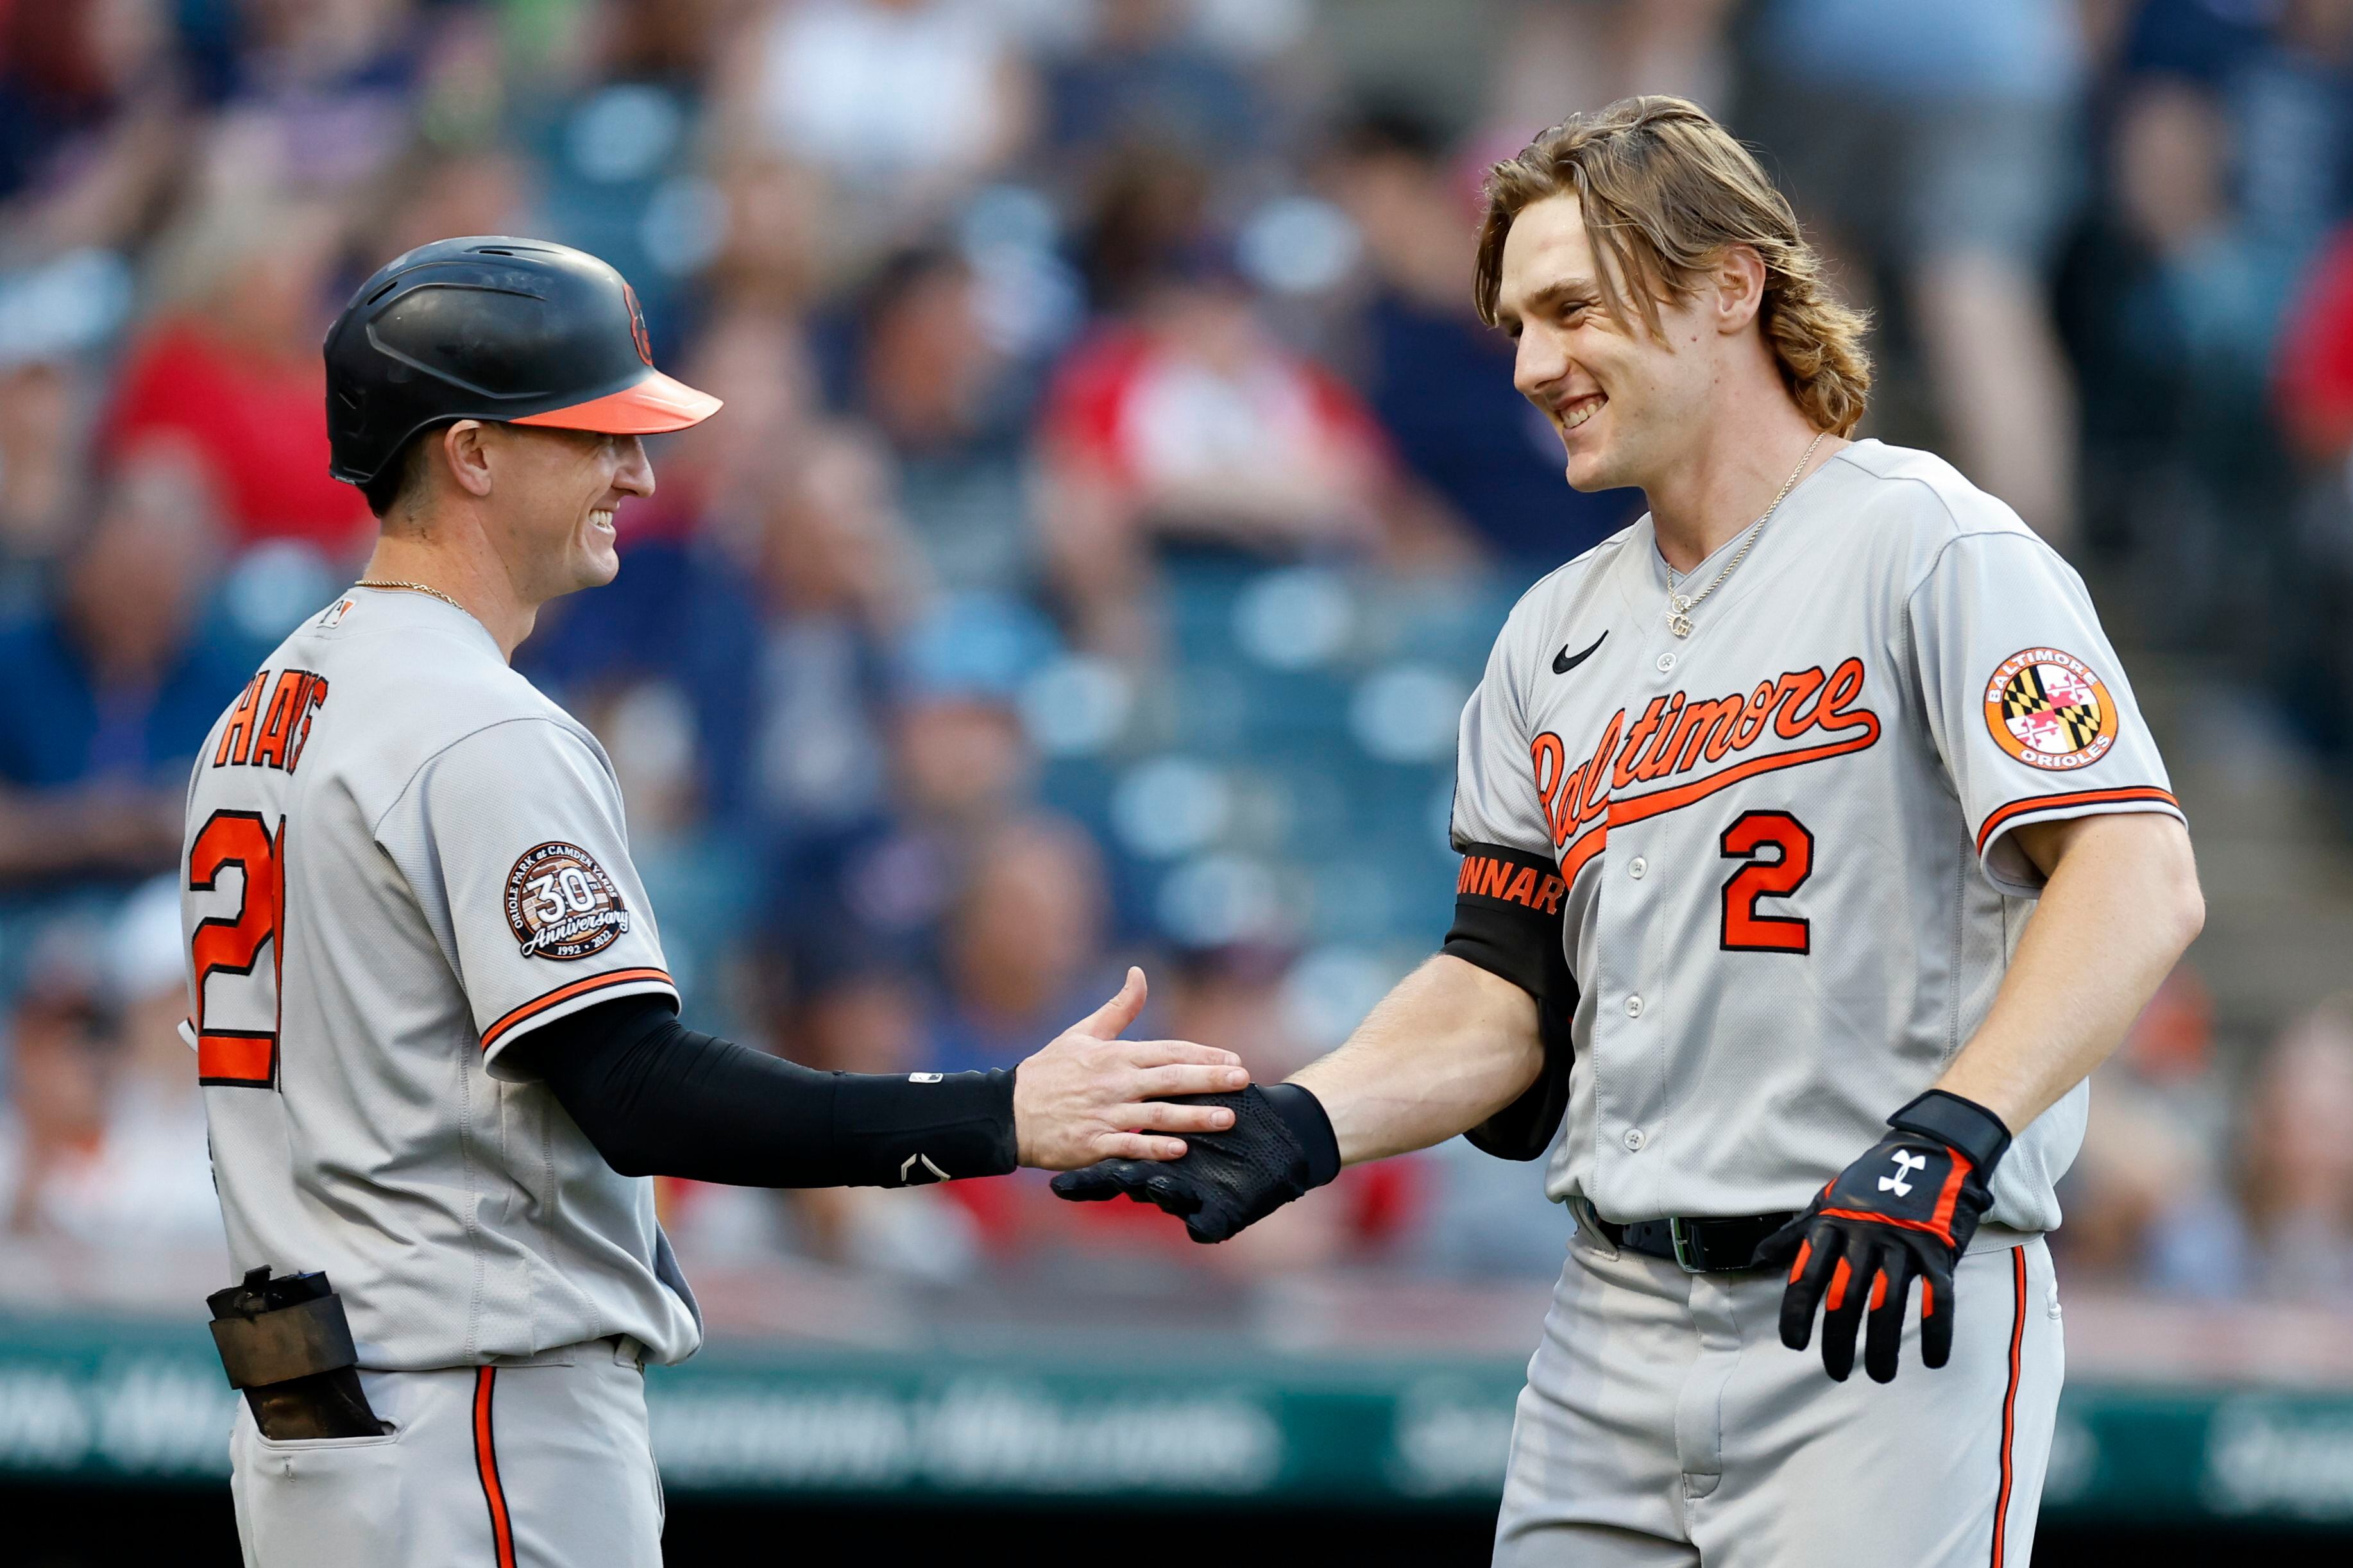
[[2047, 709], [560, 904]]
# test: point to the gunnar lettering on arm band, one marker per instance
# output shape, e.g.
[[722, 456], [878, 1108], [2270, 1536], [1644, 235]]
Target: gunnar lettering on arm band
[[1507, 920]]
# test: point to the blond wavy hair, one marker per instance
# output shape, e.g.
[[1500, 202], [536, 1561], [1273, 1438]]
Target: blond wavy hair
[[1665, 191]]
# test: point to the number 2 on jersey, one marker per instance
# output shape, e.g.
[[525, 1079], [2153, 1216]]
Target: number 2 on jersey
[[1750, 837], [227, 947]]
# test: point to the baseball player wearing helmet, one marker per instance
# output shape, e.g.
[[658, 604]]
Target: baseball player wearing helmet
[[1814, 851], [432, 1016]]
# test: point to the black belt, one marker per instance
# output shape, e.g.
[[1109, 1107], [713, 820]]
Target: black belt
[[1698, 1245]]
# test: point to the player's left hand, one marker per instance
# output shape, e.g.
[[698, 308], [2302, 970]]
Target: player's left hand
[[1905, 1210]]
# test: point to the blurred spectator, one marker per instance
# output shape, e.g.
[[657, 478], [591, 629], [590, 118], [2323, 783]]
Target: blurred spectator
[[904, 102], [92, 124], [1438, 380], [781, 670], [923, 369], [1146, 212], [1934, 142], [143, 1179], [323, 97], [2291, 1239], [1197, 422], [1557, 57], [42, 477], [60, 1058], [233, 364], [2141, 1197], [432, 195], [774, 251], [113, 685], [1022, 955], [837, 580], [1147, 77], [718, 479], [2221, 187], [849, 895]]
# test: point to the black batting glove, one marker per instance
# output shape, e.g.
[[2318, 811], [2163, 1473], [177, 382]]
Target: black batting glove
[[1906, 1210], [1280, 1146]]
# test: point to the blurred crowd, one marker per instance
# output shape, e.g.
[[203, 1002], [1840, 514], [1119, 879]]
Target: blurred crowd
[[1114, 500]]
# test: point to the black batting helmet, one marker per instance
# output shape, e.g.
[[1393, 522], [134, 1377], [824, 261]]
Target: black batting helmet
[[518, 330]]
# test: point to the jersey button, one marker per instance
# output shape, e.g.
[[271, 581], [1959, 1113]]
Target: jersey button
[[1666, 662], [1633, 1006], [1634, 1140], [1635, 866]]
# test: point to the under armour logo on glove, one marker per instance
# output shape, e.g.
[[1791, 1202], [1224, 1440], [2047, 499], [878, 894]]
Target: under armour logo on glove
[[1904, 1165], [1865, 1237]]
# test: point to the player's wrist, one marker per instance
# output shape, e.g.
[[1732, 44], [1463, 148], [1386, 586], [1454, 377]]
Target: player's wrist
[[910, 1129], [1962, 1125], [1303, 1116]]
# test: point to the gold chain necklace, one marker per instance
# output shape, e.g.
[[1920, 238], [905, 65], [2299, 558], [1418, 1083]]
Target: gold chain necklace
[[422, 588], [1679, 608]]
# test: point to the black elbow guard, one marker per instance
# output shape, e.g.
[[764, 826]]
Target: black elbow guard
[[1507, 920]]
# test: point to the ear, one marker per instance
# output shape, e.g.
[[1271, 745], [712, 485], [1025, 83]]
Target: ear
[[1738, 276], [466, 449]]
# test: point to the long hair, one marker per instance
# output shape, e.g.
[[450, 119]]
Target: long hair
[[1665, 191]]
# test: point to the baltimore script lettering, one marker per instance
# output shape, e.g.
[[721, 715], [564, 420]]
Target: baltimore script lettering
[[1675, 736]]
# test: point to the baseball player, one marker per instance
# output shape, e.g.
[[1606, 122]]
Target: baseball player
[[438, 1036], [1814, 851]]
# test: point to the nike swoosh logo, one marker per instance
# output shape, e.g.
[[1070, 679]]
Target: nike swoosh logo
[[1563, 661]]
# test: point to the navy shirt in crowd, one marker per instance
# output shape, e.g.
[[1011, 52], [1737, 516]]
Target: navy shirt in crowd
[[1441, 385], [58, 729]]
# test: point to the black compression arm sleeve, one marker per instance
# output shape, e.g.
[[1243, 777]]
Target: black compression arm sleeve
[[659, 1100]]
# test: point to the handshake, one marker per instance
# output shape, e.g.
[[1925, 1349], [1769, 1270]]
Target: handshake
[[1090, 1105]]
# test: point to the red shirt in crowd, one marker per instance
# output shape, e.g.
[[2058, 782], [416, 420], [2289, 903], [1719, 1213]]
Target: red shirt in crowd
[[260, 423], [1146, 418], [2313, 386]]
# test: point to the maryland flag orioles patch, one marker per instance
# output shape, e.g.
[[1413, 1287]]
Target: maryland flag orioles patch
[[560, 904], [2049, 711]]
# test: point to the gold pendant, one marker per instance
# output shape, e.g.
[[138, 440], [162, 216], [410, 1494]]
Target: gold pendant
[[1678, 621]]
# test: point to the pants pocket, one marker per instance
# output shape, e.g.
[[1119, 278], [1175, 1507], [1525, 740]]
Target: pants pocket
[[321, 1500]]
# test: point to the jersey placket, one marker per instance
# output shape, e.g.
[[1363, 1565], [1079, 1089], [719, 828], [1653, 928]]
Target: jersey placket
[[1632, 901], [1650, 884]]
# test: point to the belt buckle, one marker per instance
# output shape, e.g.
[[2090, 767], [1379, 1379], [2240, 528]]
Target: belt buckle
[[1687, 1248]]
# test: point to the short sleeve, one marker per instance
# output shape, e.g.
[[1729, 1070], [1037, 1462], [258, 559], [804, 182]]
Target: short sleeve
[[2026, 700], [517, 833], [1495, 799]]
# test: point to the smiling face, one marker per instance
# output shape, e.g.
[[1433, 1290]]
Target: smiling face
[[553, 495], [1626, 404]]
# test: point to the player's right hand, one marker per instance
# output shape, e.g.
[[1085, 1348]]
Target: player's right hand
[[1282, 1148], [1091, 1095]]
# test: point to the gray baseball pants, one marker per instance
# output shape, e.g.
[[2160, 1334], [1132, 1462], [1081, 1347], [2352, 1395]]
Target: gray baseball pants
[[1665, 1425], [537, 1465]]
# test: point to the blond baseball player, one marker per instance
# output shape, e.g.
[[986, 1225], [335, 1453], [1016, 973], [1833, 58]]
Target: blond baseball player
[[438, 1035], [1814, 851]]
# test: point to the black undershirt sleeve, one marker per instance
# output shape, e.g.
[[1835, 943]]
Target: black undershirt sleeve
[[1507, 920], [657, 1099]]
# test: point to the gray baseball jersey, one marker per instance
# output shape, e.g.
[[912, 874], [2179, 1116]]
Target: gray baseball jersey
[[1787, 877], [401, 858]]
